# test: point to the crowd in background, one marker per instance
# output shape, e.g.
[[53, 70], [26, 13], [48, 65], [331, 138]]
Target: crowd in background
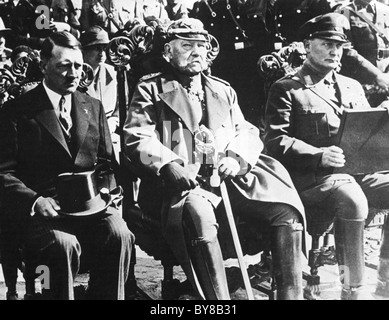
[[244, 29]]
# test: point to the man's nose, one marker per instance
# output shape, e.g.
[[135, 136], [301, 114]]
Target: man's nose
[[73, 72], [197, 50]]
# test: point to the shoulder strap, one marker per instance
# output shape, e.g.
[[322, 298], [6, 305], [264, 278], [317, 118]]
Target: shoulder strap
[[110, 15], [370, 23]]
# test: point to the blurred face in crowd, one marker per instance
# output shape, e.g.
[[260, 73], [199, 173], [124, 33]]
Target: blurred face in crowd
[[324, 55], [152, 8], [63, 70], [95, 55], [2, 44], [187, 56]]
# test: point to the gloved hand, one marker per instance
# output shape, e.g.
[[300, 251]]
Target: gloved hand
[[228, 168], [176, 178]]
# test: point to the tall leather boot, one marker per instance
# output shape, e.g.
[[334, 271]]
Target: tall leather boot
[[286, 247], [207, 260], [383, 264], [349, 243]]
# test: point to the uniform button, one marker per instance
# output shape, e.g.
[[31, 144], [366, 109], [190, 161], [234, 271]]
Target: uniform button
[[298, 11], [237, 17]]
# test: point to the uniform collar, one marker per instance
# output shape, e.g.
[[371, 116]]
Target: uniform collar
[[311, 77]]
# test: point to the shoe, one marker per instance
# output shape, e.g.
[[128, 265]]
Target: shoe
[[382, 289], [359, 293], [12, 295]]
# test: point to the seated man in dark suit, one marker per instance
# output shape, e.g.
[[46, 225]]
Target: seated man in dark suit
[[48, 131], [302, 120]]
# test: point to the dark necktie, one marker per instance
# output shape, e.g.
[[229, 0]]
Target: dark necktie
[[64, 116]]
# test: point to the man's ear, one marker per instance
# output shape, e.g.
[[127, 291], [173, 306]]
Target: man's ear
[[167, 51], [307, 45], [43, 66]]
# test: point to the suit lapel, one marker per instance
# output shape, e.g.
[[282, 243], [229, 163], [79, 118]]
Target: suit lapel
[[48, 119], [81, 112]]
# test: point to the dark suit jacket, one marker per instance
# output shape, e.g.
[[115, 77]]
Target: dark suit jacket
[[299, 122], [33, 150]]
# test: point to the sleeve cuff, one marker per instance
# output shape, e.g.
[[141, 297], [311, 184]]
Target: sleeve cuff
[[32, 212]]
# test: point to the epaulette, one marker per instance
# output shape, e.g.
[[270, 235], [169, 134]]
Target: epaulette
[[150, 76], [287, 76], [220, 80]]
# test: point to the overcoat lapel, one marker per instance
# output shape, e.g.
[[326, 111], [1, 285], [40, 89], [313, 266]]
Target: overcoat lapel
[[217, 107], [174, 95], [382, 17]]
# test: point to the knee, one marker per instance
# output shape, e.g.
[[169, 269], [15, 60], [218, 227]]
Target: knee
[[120, 234], [352, 204], [66, 243], [200, 228], [285, 215]]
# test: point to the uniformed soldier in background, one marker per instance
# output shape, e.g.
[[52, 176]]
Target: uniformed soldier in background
[[239, 27], [32, 26], [369, 35], [286, 16]]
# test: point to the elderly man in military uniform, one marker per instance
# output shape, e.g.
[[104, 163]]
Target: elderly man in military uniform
[[302, 121], [179, 111]]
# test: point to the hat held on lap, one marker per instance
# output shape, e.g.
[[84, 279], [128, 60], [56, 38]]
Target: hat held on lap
[[78, 194], [330, 26]]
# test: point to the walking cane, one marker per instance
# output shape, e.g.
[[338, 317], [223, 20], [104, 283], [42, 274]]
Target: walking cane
[[206, 154], [227, 204]]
